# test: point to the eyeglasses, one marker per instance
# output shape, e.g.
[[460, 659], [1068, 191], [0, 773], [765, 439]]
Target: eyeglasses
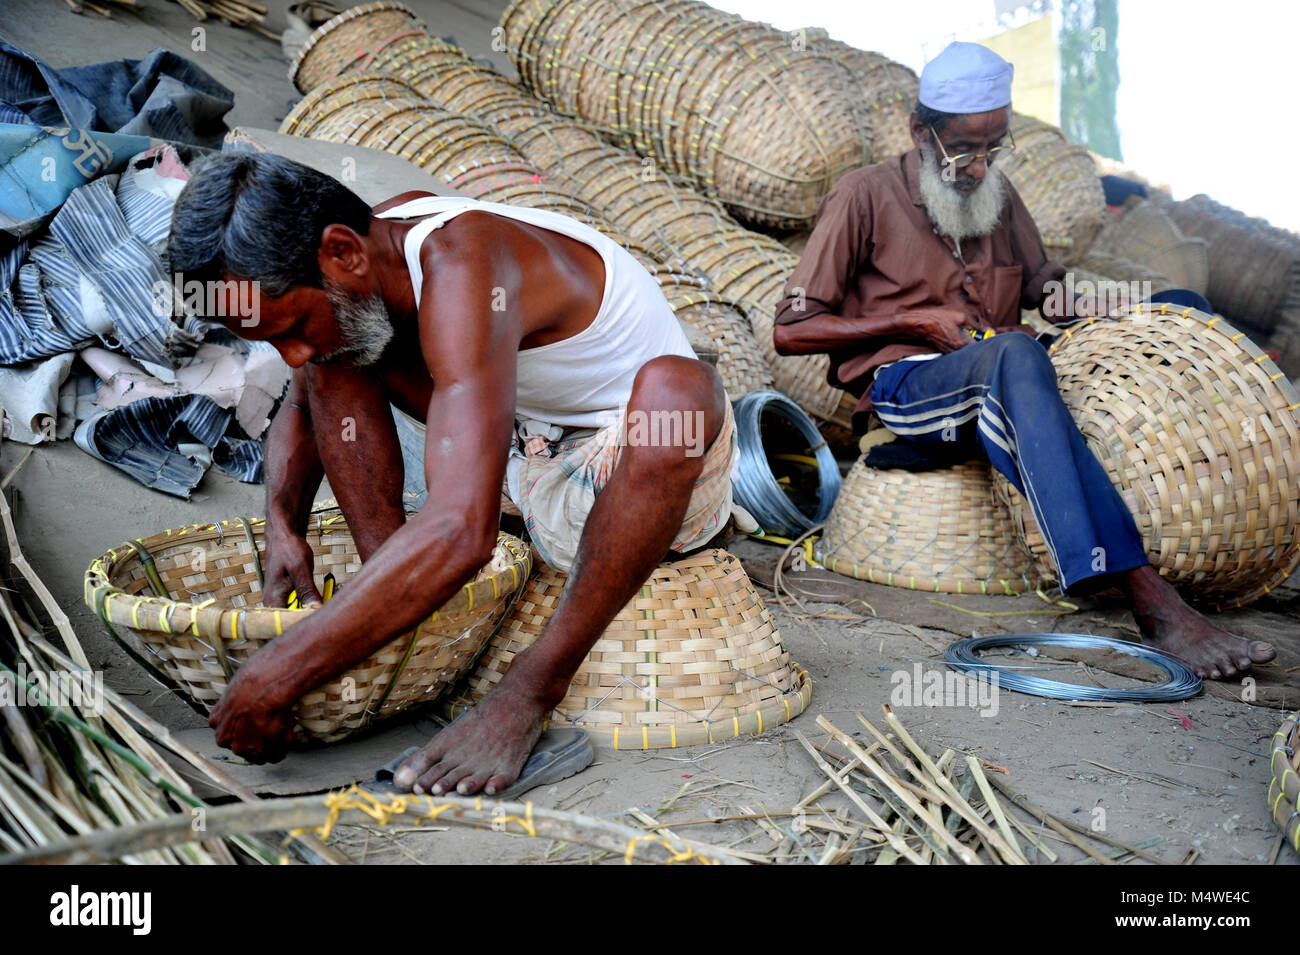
[[962, 160]]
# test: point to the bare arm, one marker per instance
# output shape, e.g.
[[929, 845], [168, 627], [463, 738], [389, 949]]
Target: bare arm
[[945, 329], [472, 358], [293, 475]]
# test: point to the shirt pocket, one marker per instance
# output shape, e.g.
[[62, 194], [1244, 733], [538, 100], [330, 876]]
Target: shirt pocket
[[1007, 282]]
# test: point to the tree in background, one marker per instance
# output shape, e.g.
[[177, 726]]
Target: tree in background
[[1090, 74]]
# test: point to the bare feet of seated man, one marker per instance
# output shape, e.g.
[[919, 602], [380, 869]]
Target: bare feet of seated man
[[1166, 622]]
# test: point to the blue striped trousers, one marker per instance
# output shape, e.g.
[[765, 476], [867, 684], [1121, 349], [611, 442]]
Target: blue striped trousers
[[998, 399]]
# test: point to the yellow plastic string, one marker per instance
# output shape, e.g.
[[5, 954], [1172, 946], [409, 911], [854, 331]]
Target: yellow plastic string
[[674, 855]]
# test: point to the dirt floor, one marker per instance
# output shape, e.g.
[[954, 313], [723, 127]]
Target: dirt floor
[[1192, 776]]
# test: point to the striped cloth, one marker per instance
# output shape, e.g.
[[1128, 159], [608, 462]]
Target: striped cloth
[[92, 278]]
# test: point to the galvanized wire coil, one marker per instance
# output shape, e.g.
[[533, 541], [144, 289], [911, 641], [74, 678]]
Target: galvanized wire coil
[[1181, 682], [756, 488]]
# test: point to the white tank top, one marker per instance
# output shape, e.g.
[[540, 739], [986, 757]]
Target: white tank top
[[581, 381]]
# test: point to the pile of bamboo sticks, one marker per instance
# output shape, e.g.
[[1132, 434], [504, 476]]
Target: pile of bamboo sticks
[[908, 806], [76, 758], [238, 13]]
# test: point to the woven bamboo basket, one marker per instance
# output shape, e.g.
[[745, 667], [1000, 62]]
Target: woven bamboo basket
[[942, 531], [1146, 235], [1059, 185], [1284, 786], [694, 658], [336, 45], [1199, 431], [198, 642], [1254, 267]]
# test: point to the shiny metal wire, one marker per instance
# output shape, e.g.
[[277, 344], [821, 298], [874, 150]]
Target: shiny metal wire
[[756, 488], [1182, 683]]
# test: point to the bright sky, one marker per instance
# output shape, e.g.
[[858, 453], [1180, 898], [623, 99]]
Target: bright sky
[[1205, 87]]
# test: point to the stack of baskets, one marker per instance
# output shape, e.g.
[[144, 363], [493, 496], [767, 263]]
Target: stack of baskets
[[1058, 182], [694, 658], [382, 111], [943, 531], [186, 604], [730, 105], [665, 217], [1199, 431]]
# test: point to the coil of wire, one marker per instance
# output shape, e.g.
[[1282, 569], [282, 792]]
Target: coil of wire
[[1181, 683], [756, 487]]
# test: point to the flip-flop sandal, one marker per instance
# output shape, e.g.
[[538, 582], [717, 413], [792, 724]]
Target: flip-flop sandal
[[559, 754]]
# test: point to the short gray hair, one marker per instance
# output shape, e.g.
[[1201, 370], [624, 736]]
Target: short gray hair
[[258, 216]]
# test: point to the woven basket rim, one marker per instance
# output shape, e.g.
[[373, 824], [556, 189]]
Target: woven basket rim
[[1284, 784], [115, 606]]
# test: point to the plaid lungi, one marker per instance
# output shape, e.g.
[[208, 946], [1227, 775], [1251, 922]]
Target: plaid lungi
[[553, 485]]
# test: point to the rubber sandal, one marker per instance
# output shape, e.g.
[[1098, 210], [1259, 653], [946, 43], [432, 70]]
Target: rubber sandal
[[559, 754]]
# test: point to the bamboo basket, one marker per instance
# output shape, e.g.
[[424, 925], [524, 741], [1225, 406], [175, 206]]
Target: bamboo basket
[[197, 642], [1254, 268], [337, 44], [1284, 787], [1146, 235], [694, 658], [941, 531], [659, 216], [1199, 431], [1059, 185]]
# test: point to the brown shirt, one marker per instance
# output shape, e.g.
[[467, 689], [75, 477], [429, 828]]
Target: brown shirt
[[875, 251]]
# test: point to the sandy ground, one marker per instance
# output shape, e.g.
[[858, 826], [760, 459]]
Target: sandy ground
[[1201, 787]]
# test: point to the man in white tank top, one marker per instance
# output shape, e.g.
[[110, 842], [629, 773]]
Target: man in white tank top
[[466, 316]]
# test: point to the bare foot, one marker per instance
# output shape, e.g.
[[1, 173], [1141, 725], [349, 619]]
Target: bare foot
[[483, 750], [1169, 624]]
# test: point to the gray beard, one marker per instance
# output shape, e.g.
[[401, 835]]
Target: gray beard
[[957, 216], [363, 323]]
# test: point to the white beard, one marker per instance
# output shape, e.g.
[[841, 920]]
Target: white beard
[[363, 323], [957, 216]]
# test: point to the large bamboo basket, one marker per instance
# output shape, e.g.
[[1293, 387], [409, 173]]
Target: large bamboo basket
[[1284, 786], [202, 618], [1146, 235], [694, 658], [1059, 185], [641, 201], [941, 531], [338, 44], [1254, 267], [1199, 431]]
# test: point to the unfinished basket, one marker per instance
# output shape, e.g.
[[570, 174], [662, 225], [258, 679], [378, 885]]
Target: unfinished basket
[[1284, 787], [186, 603], [942, 531], [694, 658], [1199, 431]]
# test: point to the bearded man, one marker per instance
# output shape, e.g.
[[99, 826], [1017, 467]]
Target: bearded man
[[911, 263]]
